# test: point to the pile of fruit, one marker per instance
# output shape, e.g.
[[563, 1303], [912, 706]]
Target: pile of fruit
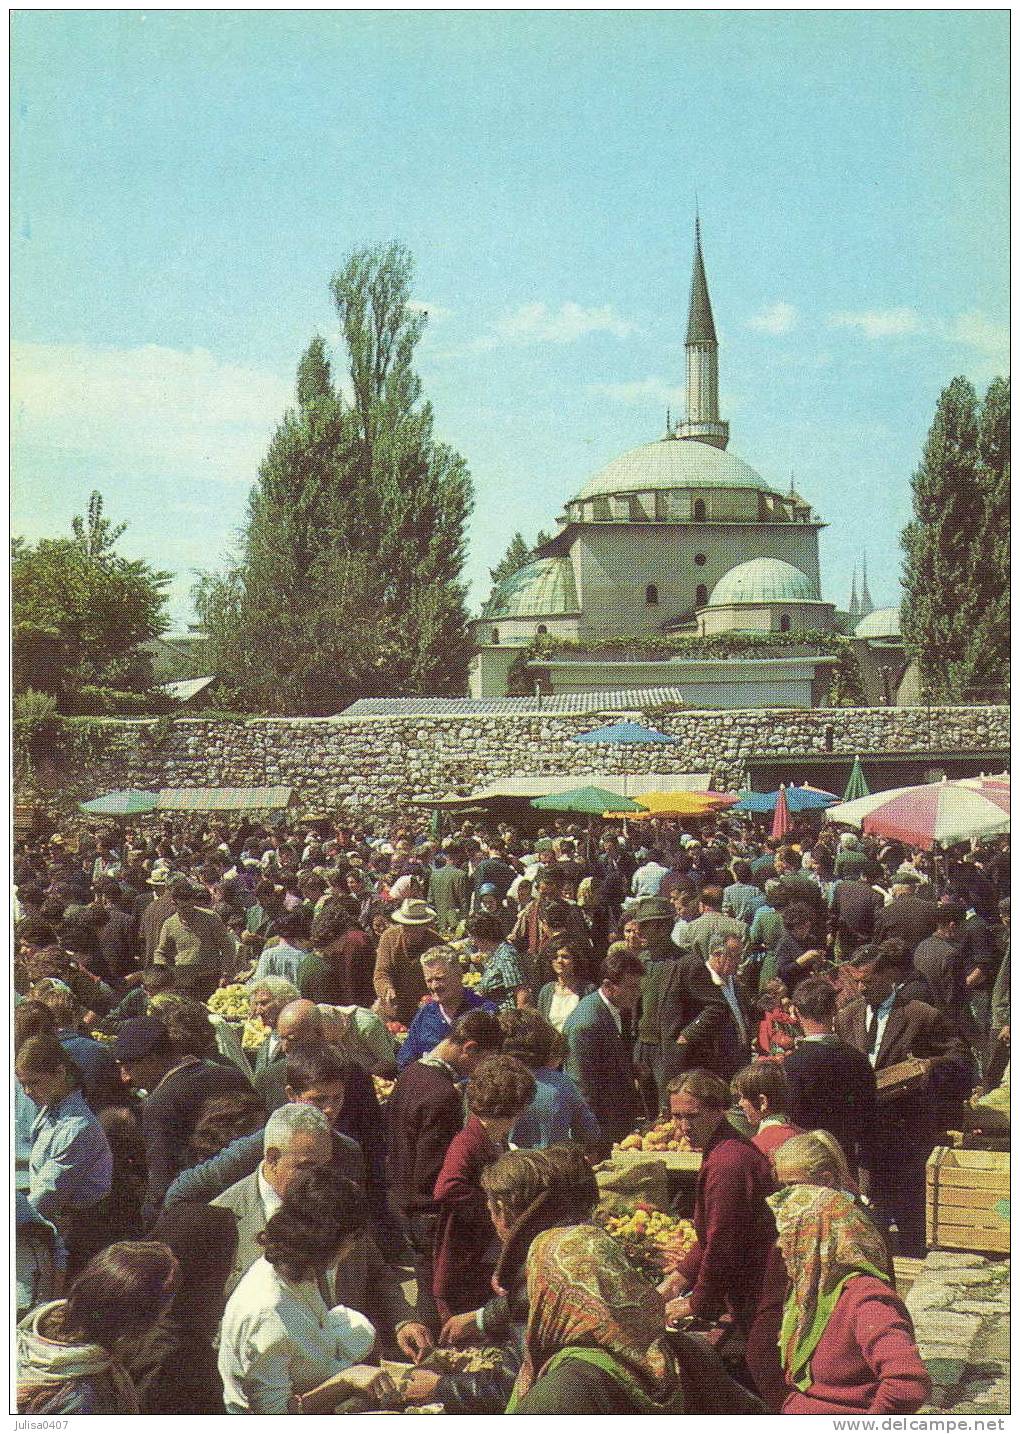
[[662, 1136], [232, 1002], [253, 1034], [652, 1240], [383, 1087]]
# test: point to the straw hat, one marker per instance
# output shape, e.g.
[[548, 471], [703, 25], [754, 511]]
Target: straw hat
[[414, 912]]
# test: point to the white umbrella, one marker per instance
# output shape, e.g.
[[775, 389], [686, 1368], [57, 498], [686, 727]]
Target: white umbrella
[[937, 814]]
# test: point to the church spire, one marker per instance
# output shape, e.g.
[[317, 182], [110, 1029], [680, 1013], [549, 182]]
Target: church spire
[[703, 422], [866, 604]]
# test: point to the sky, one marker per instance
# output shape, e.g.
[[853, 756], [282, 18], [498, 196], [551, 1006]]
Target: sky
[[185, 183]]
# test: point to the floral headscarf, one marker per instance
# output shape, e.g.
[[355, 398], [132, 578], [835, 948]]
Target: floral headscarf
[[584, 1295], [825, 1239]]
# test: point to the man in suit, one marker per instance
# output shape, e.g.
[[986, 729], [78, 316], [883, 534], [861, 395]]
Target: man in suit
[[705, 1014], [449, 892], [297, 1138], [299, 1024], [852, 916], [599, 1059], [889, 1029], [653, 917], [268, 999], [832, 1085], [906, 916], [711, 924]]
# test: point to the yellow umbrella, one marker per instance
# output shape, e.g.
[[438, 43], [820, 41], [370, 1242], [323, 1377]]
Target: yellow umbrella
[[679, 804]]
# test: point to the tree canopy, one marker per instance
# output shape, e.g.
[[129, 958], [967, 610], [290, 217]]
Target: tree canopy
[[347, 579], [81, 614], [517, 554], [956, 568]]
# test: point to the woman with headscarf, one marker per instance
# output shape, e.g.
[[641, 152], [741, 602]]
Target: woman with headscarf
[[595, 1340], [846, 1341]]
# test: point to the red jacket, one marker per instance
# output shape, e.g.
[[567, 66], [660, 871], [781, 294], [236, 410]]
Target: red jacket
[[866, 1362], [464, 1250], [734, 1226], [773, 1136]]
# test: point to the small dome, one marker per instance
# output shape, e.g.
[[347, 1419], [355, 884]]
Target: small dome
[[763, 580], [542, 588], [673, 463], [884, 622]]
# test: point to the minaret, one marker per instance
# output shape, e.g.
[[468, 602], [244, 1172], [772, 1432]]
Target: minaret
[[854, 611], [702, 422], [866, 604]]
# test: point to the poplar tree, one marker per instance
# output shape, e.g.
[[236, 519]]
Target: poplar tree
[[956, 575]]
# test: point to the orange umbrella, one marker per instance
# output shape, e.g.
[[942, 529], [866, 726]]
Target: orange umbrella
[[781, 823], [680, 804]]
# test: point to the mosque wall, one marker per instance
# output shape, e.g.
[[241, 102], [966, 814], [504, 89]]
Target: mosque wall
[[376, 764], [614, 565]]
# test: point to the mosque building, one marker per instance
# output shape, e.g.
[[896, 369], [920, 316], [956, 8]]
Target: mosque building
[[676, 536]]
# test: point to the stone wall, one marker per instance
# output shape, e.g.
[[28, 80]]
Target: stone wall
[[379, 763]]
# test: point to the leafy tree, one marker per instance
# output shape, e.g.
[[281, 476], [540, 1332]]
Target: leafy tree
[[956, 571], [347, 578], [81, 614], [517, 554]]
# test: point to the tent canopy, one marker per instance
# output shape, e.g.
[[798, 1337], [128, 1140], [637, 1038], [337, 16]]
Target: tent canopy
[[224, 799], [129, 802]]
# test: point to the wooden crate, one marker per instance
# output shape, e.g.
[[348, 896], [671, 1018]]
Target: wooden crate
[[967, 1200], [900, 1079]]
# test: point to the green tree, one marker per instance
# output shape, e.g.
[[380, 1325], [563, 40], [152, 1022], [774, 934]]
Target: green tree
[[82, 614], [517, 554], [347, 578], [956, 574]]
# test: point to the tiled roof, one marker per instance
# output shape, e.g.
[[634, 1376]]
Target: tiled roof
[[631, 700]]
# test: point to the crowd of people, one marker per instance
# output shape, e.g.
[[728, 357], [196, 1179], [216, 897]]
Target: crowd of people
[[396, 1155]]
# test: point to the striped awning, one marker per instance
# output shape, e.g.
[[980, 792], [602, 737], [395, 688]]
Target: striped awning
[[224, 799]]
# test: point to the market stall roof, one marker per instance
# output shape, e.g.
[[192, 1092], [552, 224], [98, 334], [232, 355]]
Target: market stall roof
[[544, 785], [224, 799], [129, 802]]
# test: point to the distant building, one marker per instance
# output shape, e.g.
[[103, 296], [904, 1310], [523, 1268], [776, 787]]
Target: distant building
[[676, 535]]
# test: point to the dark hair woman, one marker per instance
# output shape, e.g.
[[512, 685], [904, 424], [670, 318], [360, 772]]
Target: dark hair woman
[[68, 1351], [282, 1348]]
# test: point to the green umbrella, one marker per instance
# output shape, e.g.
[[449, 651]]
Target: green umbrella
[[120, 804], [856, 786], [588, 801]]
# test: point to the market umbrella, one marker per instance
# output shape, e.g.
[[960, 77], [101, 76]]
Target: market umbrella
[[624, 733], [939, 813], [856, 785], [127, 803], [798, 799], [781, 823], [588, 801], [681, 804]]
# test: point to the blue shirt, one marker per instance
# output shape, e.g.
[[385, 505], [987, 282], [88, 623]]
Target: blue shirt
[[430, 1026], [71, 1166], [558, 1113]]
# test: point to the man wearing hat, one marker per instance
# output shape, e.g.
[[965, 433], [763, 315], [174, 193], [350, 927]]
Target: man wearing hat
[[398, 979], [160, 906], [177, 1087], [653, 917], [195, 942]]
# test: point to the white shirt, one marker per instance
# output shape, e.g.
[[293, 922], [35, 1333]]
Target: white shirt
[[679, 927], [271, 1202], [614, 1011], [280, 1339], [563, 1002], [648, 878]]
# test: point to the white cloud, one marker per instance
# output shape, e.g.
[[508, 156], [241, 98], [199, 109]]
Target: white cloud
[[777, 318], [641, 392], [182, 410], [879, 323], [978, 331], [537, 323]]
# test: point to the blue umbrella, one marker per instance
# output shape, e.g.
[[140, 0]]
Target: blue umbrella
[[622, 733], [798, 799]]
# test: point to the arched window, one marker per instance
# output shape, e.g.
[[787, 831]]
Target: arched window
[[700, 595], [495, 637], [699, 510], [541, 630], [784, 622], [651, 595]]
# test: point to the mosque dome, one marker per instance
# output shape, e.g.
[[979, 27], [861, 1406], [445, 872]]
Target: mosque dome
[[672, 463], [763, 580], [884, 622], [542, 588]]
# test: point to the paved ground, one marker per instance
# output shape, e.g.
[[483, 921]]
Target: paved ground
[[960, 1307]]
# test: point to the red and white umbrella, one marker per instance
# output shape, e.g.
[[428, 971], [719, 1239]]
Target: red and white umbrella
[[781, 823], [937, 814]]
